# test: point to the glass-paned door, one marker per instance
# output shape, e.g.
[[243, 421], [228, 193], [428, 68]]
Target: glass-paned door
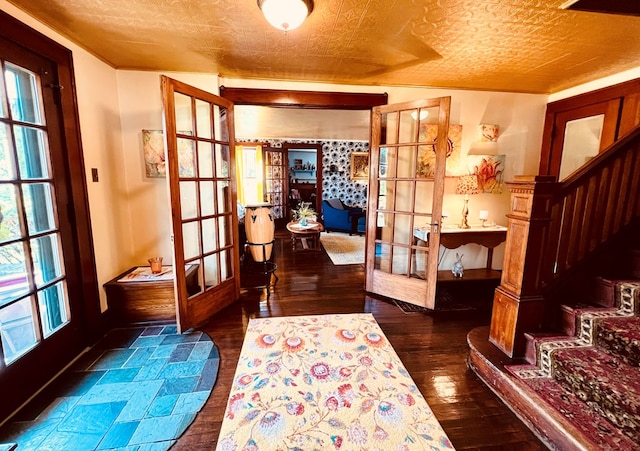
[[406, 186], [275, 184], [202, 184]]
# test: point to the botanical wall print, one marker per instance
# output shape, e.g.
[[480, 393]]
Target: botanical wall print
[[154, 157], [489, 169], [427, 155], [359, 166], [488, 133]]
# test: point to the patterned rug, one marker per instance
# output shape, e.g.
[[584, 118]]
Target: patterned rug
[[325, 382], [343, 249]]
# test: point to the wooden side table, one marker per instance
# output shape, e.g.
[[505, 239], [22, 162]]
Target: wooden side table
[[307, 236], [148, 300]]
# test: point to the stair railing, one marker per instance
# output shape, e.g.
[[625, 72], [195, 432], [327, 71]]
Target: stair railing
[[555, 226]]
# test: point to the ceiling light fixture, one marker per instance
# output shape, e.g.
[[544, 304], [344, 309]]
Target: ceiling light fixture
[[423, 115], [286, 14]]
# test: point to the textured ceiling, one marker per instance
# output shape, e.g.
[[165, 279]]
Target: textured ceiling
[[505, 45]]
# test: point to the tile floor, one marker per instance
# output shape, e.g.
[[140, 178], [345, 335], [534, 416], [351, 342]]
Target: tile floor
[[138, 389]]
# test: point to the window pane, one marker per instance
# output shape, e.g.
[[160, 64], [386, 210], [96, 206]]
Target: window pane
[[209, 243], [9, 223], [186, 157], [7, 167], [205, 159], [581, 143], [224, 198], [211, 273], [13, 273], [184, 117], [191, 240], [17, 329], [4, 111], [188, 200], [203, 119], [227, 267], [53, 308], [38, 205], [46, 258], [222, 161], [24, 95], [32, 153], [207, 199], [226, 237]]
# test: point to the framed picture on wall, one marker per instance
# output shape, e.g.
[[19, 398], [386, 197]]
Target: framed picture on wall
[[359, 166]]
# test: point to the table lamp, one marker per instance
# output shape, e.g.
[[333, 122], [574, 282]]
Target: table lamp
[[467, 184]]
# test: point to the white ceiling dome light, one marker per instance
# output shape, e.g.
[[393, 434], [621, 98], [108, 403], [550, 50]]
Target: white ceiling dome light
[[286, 14]]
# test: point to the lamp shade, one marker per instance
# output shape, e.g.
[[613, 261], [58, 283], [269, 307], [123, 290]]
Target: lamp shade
[[467, 184], [286, 14]]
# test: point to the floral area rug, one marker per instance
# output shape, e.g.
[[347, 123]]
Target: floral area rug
[[325, 382], [343, 249]]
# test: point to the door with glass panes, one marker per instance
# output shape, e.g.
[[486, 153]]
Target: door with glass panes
[[406, 185], [40, 269]]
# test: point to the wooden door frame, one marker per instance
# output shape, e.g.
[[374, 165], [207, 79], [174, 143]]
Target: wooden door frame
[[628, 116]]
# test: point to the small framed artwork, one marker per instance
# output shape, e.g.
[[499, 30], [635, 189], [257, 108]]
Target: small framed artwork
[[359, 165]]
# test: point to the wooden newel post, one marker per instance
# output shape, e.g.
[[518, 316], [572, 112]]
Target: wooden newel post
[[517, 303]]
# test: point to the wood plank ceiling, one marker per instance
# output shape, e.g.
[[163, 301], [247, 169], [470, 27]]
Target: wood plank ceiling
[[504, 45]]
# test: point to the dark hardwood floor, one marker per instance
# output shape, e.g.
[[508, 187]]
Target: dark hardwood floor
[[432, 346]]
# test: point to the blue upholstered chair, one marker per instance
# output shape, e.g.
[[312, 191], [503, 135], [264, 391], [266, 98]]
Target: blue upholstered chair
[[339, 217]]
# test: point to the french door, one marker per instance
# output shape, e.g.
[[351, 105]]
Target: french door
[[43, 305], [275, 184], [406, 185], [202, 185]]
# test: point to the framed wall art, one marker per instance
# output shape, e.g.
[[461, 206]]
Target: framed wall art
[[359, 166]]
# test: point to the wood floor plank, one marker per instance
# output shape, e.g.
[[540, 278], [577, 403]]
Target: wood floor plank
[[432, 346]]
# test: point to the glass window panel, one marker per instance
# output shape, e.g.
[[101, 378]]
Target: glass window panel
[[53, 308], [10, 223], [385, 195], [383, 257], [406, 161], [186, 157], [209, 243], [385, 226], [400, 260], [388, 133], [428, 127], [392, 162], [38, 205], [184, 114], [222, 128], [17, 329], [224, 198], [226, 232], [13, 273], [197, 286], [408, 127], [33, 159], [424, 197], [46, 255], [7, 166], [188, 200], [203, 119], [191, 239], [207, 199], [404, 195], [205, 160], [222, 161], [226, 265], [419, 262], [581, 143], [402, 233], [211, 272], [4, 111], [23, 93]]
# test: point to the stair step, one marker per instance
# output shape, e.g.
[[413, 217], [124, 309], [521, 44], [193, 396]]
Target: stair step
[[621, 337], [570, 315], [595, 428], [607, 384], [532, 340], [605, 290]]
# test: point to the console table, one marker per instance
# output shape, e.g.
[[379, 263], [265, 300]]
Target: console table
[[454, 237]]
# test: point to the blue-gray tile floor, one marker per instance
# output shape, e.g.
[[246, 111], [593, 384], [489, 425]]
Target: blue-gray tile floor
[[137, 390]]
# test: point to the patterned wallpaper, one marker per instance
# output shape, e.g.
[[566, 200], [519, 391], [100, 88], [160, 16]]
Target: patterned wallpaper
[[338, 153]]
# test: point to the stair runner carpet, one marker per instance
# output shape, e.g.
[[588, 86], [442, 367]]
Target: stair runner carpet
[[593, 378]]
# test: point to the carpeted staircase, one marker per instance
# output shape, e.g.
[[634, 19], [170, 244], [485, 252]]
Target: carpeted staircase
[[590, 372]]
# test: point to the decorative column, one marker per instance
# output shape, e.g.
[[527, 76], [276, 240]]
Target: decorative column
[[518, 305]]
